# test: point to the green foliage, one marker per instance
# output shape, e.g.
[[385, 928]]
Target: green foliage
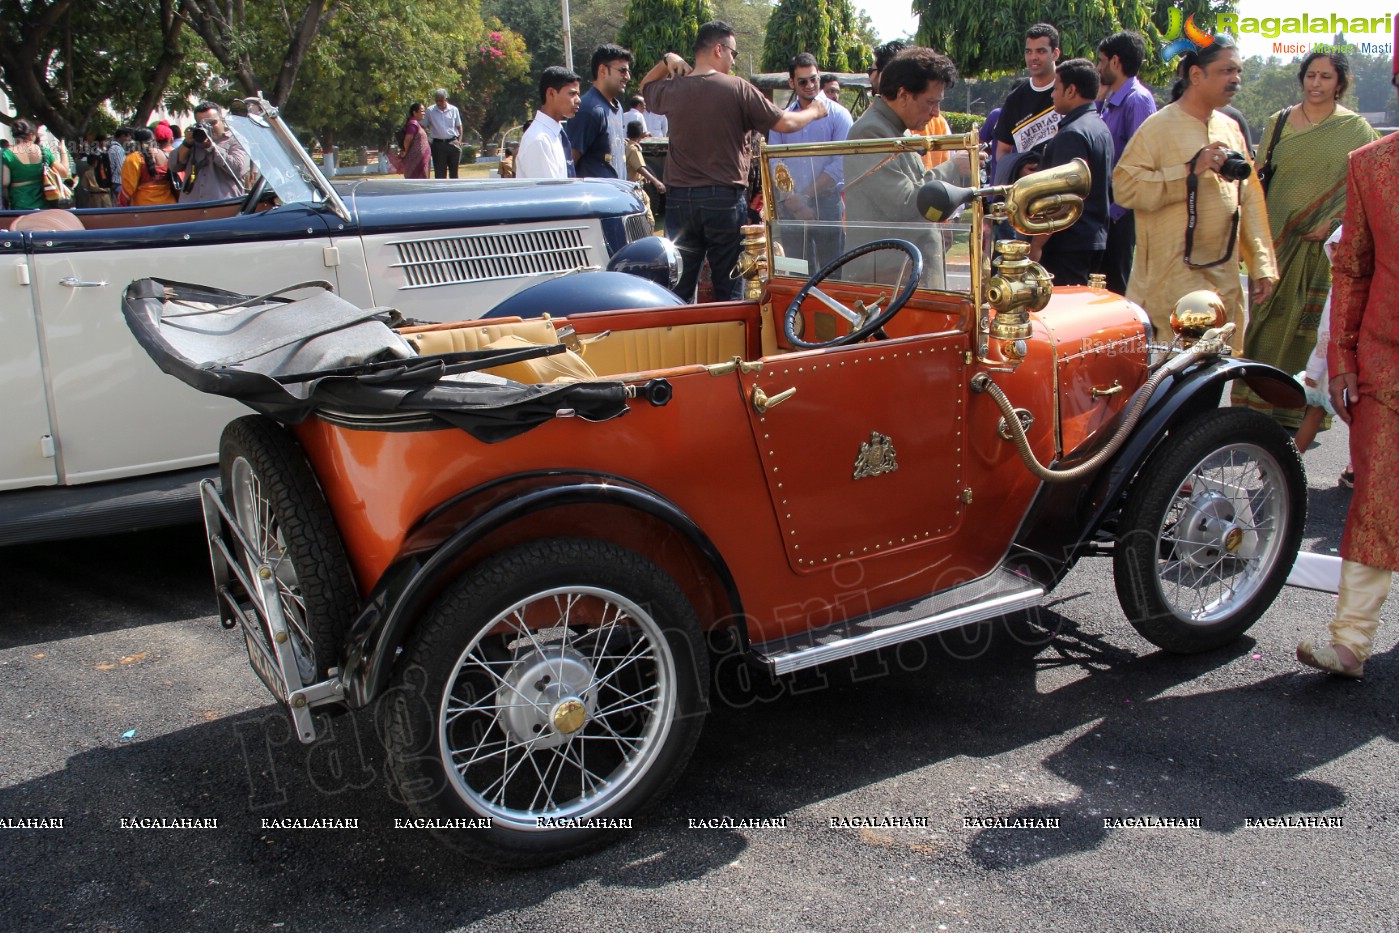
[[1271, 84], [987, 38], [653, 27], [828, 29], [1268, 85], [62, 60], [750, 18], [963, 122], [379, 56], [595, 22], [537, 23], [372, 61], [494, 64]]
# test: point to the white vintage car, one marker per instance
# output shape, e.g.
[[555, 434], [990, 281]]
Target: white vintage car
[[94, 438]]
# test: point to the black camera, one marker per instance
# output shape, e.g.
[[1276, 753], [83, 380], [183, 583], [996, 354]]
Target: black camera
[[1236, 166], [200, 131]]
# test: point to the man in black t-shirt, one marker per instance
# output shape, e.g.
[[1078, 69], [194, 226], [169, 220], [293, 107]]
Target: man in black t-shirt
[[1027, 117]]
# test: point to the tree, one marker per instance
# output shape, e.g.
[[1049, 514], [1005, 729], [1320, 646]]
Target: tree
[[1271, 84], [261, 47], [493, 65], [373, 59], [595, 22], [1370, 90], [653, 27], [750, 19], [60, 61], [539, 24], [828, 29], [1268, 85], [989, 37]]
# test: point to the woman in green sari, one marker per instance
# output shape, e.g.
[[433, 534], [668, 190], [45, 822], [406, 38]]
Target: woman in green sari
[[22, 169], [1306, 200]]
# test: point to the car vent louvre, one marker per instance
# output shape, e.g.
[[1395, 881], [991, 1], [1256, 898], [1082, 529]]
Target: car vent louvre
[[483, 257], [638, 226]]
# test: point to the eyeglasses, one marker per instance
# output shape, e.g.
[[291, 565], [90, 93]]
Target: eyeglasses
[[807, 82], [623, 70], [731, 49]]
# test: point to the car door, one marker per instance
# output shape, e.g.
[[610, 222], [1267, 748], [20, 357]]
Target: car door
[[866, 456], [26, 457], [114, 413]]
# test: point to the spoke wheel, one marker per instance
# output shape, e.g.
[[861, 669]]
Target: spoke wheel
[[565, 680], [273, 494], [1210, 530]]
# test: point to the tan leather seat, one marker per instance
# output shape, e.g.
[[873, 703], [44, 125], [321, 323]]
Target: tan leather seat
[[635, 351], [458, 339], [611, 353], [510, 335], [48, 221]]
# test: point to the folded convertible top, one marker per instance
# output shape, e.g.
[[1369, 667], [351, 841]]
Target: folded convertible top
[[288, 358]]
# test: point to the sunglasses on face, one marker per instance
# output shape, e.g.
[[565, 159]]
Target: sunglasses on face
[[806, 82]]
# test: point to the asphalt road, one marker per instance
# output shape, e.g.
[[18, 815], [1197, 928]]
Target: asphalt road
[[109, 637]]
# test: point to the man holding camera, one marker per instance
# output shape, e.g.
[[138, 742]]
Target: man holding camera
[[214, 162], [1196, 197]]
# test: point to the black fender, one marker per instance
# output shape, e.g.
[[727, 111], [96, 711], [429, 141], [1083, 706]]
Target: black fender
[[1066, 518], [428, 559]]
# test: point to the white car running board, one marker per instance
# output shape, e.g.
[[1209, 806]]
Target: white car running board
[[996, 594]]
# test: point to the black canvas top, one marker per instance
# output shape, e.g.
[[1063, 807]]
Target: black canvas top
[[287, 358]]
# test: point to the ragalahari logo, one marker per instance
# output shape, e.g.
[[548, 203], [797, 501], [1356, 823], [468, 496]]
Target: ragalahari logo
[[1181, 39]]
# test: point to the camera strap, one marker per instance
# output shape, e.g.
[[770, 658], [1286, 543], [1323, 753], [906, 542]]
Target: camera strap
[[1192, 193]]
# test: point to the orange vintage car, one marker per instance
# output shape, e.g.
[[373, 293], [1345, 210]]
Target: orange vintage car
[[516, 533]]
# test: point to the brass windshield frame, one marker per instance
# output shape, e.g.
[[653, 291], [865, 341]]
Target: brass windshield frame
[[918, 145]]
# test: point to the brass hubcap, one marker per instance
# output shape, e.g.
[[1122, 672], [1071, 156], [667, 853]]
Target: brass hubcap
[[569, 716]]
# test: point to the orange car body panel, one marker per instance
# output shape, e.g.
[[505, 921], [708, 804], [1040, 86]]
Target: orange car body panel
[[806, 542]]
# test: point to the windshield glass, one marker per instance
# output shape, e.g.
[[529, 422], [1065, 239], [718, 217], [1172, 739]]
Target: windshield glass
[[845, 196], [286, 174], [807, 246]]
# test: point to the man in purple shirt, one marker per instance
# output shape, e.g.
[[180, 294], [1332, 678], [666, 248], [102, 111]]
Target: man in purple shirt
[[810, 212], [1124, 104]]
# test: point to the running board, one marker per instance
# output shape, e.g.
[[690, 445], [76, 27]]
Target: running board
[[989, 597]]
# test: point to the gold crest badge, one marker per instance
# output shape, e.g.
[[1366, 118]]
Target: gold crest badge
[[876, 457]]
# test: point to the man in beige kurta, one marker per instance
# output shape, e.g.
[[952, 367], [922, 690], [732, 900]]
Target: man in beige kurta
[[1150, 179]]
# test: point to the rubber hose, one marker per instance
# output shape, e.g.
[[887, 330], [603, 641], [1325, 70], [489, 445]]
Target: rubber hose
[[1211, 344]]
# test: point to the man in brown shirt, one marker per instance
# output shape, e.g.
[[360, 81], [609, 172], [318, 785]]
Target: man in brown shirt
[[706, 175]]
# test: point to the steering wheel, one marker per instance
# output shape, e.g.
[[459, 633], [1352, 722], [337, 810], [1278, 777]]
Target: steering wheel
[[254, 197], [864, 321]]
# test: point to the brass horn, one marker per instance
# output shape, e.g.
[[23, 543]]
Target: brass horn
[[1049, 201]]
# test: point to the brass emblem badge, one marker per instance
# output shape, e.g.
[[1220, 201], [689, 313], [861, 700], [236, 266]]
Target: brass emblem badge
[[877, 457]]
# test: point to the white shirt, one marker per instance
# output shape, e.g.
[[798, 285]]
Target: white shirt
[[443, 124], [635, 116], [541, 150], [657, 124]]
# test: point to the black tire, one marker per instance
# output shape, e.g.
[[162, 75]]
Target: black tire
[[1210, 530], [475, 685], [270, 488]]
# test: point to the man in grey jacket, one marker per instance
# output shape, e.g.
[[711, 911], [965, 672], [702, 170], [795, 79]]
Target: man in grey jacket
[[213, 159], [876, 196]]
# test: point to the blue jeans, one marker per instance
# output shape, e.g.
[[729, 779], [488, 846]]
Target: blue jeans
[[704, 222]]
